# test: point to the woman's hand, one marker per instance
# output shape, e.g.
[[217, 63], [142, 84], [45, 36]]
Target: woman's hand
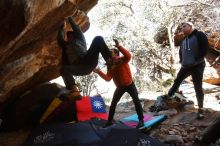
[[96, 70], [116, 43]]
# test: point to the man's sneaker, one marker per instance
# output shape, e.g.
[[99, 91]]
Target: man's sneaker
[[200, 114], [109, 123], [167, 97], [140, 124]]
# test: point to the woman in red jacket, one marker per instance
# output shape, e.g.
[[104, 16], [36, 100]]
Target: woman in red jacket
[[119, 71]]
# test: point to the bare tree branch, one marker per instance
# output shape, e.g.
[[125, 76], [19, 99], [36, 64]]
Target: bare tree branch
[[127, 6], [171, 41], [206, 4], [195, 2]]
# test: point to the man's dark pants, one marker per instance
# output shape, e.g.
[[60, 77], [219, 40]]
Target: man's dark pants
[[197, 75]]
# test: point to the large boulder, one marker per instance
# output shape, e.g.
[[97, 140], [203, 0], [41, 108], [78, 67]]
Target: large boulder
[[214, 42], [161, 36], [26, 112], [213, 57], [28, 48]]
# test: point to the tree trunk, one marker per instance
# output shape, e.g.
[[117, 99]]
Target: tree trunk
[[171, 43]]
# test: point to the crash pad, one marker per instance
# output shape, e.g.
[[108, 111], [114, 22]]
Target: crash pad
[[149, 120], [89, 133]]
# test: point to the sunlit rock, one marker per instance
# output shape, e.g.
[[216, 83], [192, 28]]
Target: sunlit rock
[[28, 48]]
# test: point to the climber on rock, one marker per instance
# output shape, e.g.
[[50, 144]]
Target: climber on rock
[[76, 59]]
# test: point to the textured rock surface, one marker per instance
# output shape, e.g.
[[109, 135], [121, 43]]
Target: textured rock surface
[[29, 52], [27, 111]]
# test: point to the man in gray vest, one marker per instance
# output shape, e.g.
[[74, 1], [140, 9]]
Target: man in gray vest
[[76, 59], [192, 51]]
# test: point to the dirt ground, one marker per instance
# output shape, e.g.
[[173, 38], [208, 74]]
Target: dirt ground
[[184, 122]]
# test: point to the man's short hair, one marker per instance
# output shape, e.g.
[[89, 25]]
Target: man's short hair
[[189, 23]]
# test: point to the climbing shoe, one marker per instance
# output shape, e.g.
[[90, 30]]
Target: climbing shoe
[[140, 124]]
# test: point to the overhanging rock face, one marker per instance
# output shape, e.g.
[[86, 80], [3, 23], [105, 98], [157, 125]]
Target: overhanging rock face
[[28, 48]]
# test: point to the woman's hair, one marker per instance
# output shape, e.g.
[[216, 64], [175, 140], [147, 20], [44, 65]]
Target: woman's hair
[[71, 34], [115, 51]]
